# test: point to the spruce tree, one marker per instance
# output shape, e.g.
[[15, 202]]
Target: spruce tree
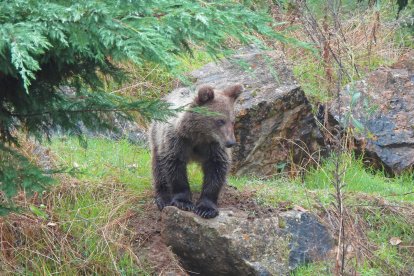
[[48, 46]]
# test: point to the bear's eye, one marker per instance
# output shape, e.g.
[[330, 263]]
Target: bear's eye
[[220, 122]]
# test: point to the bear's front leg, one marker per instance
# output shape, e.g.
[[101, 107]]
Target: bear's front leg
[[215, 170], [162, 190], [181, 197], [175, 166]]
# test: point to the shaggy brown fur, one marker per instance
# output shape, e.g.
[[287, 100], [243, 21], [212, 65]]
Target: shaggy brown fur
[[194, 137]]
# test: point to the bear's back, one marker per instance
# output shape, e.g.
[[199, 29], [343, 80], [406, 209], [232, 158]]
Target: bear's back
[[160, 132]]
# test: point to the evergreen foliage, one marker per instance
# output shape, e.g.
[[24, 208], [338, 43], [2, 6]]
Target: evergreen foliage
[[53, 55]]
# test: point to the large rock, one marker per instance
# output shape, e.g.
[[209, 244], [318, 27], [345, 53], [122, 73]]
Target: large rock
[[385, 108], [274, 127], [236, 244]]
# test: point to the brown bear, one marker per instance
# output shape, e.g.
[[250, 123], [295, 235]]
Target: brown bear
[[194, 136]]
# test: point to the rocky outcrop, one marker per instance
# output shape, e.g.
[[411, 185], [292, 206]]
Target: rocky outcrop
[[121, 129], [383, 103], [234, 243], [275, 127]]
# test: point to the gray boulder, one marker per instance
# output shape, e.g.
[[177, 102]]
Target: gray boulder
[[275, 127], [234, 243], [385, 108]]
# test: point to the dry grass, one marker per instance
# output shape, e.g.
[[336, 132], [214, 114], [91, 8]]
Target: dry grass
[[353, 42], [77, 227]]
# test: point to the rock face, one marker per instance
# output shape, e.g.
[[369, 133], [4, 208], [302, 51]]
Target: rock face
[[129, 130], [386, 110], [274, 125], [122, 128], [235, 244], [309, 239]]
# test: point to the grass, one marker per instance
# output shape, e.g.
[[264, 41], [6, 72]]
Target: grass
[[316, 188], [80, 226], [360, 179], [322, 269], [309, 74], [103, 161]]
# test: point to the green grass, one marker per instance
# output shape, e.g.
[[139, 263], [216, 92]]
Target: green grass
[[110, 179], [321, 269], [358, 178], [122, 162], [104, 160], [316, 187]]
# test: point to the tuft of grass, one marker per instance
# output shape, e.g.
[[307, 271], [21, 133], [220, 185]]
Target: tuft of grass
[[316, 189], [311, 76], [320, 268], [282, 192]]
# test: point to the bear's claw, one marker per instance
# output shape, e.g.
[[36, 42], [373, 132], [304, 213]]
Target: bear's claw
[[183, 204], [161, 203], [206, 212]]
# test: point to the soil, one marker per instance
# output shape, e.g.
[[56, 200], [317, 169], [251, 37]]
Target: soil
[[149, 246]]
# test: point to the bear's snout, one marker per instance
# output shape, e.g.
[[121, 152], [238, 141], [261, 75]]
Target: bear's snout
[[230, 144]]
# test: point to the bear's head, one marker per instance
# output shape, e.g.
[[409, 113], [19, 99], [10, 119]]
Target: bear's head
[[219, 125]]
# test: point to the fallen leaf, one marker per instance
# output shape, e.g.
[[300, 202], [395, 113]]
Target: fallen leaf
[[395, 241]]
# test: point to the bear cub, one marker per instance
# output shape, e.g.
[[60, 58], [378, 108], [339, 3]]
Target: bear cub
[[192, 136]]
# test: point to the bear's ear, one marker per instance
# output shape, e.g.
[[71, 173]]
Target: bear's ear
[[233, 91], [205, 94]]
